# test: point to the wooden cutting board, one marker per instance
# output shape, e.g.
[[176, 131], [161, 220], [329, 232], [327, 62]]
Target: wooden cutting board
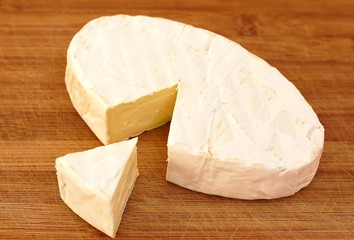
[[310, 42]]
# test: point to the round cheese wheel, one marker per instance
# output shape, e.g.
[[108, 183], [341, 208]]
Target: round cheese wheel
[[239, 128]]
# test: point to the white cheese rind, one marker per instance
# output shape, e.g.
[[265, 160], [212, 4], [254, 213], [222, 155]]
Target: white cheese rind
[[105, 79], [207, 174], [96, 184], [239, 127], [249, 134]]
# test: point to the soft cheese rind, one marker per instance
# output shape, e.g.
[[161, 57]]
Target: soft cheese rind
[[96, 184], [239, 127], [249, 134], [108, 81]]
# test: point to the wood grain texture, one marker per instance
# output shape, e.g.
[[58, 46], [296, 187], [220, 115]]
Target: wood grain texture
[[310, 42]]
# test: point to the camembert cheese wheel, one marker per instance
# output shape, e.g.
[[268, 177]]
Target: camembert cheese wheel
[[239, 128]]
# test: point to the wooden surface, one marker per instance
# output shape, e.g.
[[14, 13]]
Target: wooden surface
[[310, 42]]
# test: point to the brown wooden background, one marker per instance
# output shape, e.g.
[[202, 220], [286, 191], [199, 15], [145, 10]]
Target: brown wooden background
[[310, 42]]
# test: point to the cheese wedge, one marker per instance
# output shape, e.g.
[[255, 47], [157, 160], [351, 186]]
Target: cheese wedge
[[96, 184], [239, 128]]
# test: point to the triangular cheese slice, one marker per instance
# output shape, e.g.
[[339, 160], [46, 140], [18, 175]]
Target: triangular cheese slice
[[239, 127], [96, 184]]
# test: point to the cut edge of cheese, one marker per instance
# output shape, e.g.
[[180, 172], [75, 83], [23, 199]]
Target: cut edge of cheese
[[122, 121], [99, 190]]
